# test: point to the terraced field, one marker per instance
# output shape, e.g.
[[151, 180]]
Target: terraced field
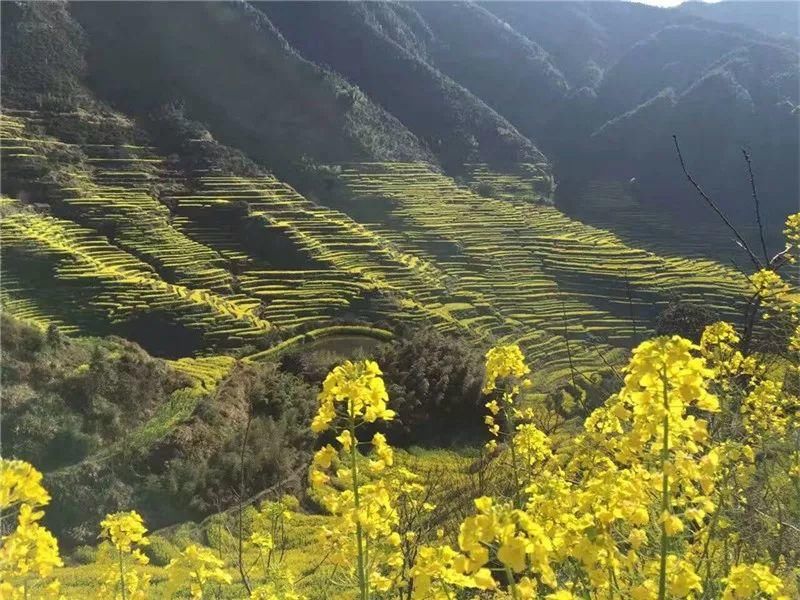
[[110, 190], [353, 260], [96, 280], [611, 204], [107, 251], [118, 240], [556, 285]]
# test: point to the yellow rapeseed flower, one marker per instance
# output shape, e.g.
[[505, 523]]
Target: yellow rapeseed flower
[[195, 567], [359, 389], [502, 362], [124, 530], [746, 582], [21, 483]]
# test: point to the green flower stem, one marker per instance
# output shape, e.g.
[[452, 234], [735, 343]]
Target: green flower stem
[[662, 575], [514, 469], [512, 585], [363, 582], [122, 575]]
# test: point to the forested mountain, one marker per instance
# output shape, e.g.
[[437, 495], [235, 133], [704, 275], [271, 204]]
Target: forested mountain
[[383, 48], [639, 74]]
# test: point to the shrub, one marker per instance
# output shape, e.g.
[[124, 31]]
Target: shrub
[[84, 555], [685, 319], [485, 189], [203, 455], [435, 385], [160, 551], [185, 534], [63, 397]]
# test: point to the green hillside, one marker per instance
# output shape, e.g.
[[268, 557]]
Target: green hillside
[[140, 222]]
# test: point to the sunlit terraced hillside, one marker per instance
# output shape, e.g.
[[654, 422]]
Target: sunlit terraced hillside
[[74, 274], [108, 187], [145, 214], [248, 263], [353, 259], [543, 276]]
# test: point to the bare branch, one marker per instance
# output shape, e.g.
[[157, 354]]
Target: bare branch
[[777, 261], [714, 206], [781, 523], [757, 204], [609, 365], [240, 545], [566, 337]]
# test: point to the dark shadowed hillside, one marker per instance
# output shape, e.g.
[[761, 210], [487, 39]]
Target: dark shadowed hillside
[[639, 74], [510, 72], [383, 49], [233, 70]]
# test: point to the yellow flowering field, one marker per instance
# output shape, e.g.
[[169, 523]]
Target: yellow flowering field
[[684, 483]]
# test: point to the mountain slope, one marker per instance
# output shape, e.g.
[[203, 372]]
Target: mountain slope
[[351, 38], [233, 71], [734, 87], [744, 99], [206, 181], [774, 18], [510, 72]]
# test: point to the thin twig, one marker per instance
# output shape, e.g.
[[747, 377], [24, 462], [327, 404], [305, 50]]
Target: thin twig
[[314, 568], [780, 256], [757, 204], [787, 525], [566, 337], [609, 365], [240, 546], [714, 206], [630, 302]]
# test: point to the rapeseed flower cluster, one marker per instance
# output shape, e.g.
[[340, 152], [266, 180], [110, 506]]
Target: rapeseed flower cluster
[[719, 345], [792, 232], [280, 587], [123, 579], [509, 424], [773, 292], [626, 509], [504, 362], [363, 540], [352, 391], [747, 581], [196, 568], [21, 483], [29, 553]]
